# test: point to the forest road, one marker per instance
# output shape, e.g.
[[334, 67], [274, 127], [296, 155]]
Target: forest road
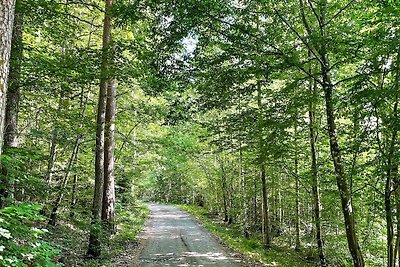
[[173, 238]]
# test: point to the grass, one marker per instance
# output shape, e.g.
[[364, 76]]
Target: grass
[[72, 239], [252, 247]]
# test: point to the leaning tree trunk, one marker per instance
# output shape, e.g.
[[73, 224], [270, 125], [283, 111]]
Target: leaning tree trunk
[[336, 152], [94, 249], [7, 9], [73, 197], [108, 210], [347, 206], [57, 202]]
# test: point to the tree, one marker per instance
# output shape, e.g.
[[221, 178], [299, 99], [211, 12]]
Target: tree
[[94, 249], [7, 11]]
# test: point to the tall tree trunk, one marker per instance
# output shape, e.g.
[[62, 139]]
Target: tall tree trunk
[[314, 175], [13, 96], [255, 204], [224, 191], [266, 225], [108, 210], [94, 248], [7, 10], [313, 150], [388, 196], [391, 166], [342, 184], [395, 171]]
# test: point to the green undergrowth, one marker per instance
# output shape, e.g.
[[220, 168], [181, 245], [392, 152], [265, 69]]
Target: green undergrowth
[[72, 238], [251, 247]]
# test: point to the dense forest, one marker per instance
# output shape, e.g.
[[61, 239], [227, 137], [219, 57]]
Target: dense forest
[[279, 119]]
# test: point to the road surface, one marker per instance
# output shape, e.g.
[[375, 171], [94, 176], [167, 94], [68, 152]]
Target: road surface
[[173, 238]]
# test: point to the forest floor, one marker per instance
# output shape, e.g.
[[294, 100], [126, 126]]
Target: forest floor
[[72, 240], [251, 248]]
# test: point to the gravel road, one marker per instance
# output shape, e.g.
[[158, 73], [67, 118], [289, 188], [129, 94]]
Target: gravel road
[[173, 238]]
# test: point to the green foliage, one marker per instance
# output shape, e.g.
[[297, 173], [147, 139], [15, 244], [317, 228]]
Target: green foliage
[[21, 241]]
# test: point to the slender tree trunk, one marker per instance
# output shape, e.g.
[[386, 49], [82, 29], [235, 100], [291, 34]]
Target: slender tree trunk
[[7, 11], [296, 164], [314, 173], [224, 191], [345, 196], [255, 204], [390, 166], [53, 144], [56, 205], [52, 156], [266, 225], [108, 210], [94, 248], [342, 184], [397, 199], [388, 203], [73, 197], [395, 172]]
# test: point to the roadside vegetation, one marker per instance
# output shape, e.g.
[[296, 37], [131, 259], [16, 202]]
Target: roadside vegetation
[[28, 241], [281, 118], [250, 246]]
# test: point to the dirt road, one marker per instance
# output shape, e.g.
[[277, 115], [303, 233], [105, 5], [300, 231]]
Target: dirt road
[[173, 238]]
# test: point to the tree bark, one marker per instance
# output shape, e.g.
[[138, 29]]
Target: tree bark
[[108, 209], [7, 11], [13, 93], [12, 105]]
